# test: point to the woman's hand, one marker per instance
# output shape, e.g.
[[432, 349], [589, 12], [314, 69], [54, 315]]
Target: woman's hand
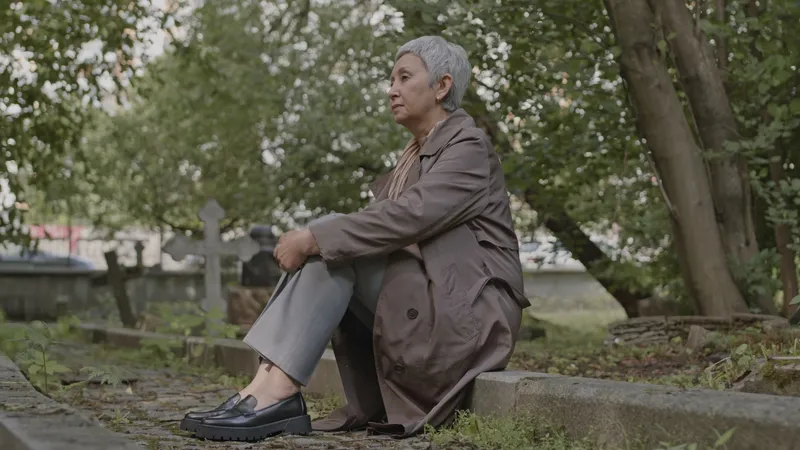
[[294, 248]]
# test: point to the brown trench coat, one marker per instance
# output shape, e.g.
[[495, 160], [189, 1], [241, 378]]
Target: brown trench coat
[[441, 321]]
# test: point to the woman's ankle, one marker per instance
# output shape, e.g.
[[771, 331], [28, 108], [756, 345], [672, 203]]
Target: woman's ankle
[[281, 392], [260, 378], [267, 395], [271, 387], [281, 384]]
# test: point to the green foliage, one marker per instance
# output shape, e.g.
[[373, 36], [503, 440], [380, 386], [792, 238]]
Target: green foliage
[[187, 319], [744, 358], [763, 90], [104, 375], [575, 346], [278, 107], [757, 276], [59, 59], [35, 359], [720, 443], [722, 374], [266, 115], [563, 125], [523, 431], [117, 419], [183, 319], [32, 347], [569, 137], [165, 350], [518, 432]]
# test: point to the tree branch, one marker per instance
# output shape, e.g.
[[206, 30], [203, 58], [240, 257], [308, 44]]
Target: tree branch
[[175, 227]]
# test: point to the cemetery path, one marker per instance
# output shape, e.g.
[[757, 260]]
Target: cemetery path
[[150, 401]]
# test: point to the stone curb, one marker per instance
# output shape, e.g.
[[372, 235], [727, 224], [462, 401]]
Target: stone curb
[[619, 412], [232, 355], [612, 412], [30, 420]]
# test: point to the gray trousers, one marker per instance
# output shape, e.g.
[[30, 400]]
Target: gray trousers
[[307, 306]]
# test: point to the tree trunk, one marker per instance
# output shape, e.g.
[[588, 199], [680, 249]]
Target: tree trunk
[[703, 84], [587, 252], [116, 279], [687, 189]]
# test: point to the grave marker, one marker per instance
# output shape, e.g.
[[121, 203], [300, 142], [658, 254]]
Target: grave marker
[[212, 248]]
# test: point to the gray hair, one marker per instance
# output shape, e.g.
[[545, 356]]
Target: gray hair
[[442, 57]]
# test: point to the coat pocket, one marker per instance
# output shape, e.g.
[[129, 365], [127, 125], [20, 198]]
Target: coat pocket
[[457, 307], [450, 279]]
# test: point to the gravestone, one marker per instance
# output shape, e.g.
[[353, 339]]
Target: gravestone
[[259, 277], [262, 270], [212, 248]]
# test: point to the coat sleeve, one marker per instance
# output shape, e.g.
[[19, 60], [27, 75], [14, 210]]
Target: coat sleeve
[[452, 192]]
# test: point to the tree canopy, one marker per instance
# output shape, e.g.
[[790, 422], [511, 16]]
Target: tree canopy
[[58, 59], [276, 107]]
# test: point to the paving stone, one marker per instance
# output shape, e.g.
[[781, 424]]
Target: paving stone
[[29, 420], [149, 409]]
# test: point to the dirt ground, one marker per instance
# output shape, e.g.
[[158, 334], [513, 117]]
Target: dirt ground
[[149, 402]]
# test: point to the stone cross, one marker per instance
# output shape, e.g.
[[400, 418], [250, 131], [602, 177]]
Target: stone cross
[[212, 247]]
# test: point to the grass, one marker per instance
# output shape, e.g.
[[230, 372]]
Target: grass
[[525, 432], [520, 432], [581, 319], [574, 346]]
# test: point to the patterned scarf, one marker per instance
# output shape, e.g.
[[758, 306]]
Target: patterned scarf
[[400, 175]]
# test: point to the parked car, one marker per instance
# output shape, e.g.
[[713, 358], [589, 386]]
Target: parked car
[[13, 256], [536, 255]]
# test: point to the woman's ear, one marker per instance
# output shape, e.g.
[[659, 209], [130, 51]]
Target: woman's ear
[[443, 87]]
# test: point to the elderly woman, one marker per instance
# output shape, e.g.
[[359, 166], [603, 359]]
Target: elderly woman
[[420, 292]]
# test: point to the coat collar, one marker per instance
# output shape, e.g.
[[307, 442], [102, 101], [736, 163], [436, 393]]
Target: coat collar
[[377, 186], [454, 123], [380, 187]]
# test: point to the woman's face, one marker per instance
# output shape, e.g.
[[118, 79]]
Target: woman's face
[[411, 94]]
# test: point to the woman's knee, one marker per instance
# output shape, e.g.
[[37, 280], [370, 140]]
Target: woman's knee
[[325, 217]]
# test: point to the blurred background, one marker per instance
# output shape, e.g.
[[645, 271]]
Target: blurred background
[[121, 120]]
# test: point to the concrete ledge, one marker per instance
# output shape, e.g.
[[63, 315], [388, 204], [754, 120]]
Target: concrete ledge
[[325, 380], [31, 421], [617, 412], [232, 355], [612, 412], [235, 356], [496, 393]]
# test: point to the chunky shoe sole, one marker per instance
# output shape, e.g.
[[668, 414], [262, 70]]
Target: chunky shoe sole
[[295, 425], [189, 425]]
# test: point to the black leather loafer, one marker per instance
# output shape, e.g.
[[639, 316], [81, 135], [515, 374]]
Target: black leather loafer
[[192, 420], [244, 423]]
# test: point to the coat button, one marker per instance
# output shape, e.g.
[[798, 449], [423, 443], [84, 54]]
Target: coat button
[[399, 368], [412, 313]]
